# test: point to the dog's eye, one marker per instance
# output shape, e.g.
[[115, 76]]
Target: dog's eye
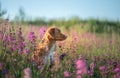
[[52, 31]]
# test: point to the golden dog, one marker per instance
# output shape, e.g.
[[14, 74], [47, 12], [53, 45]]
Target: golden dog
[[44, 52]]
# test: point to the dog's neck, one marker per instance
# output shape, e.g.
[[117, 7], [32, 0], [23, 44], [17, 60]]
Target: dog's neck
[[50, 46], [49, 43]]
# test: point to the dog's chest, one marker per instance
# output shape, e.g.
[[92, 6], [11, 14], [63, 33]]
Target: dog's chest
[[50, 55]]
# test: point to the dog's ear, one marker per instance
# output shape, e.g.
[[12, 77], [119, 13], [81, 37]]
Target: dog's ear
[[51, 33]]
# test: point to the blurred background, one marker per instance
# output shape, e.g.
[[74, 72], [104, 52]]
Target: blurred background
[[56, 9], [99, 15]]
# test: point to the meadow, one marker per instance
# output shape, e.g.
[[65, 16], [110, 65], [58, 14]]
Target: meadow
[[92, 49]]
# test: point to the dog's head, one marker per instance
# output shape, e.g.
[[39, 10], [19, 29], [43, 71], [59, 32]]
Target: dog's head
[[53, 33]]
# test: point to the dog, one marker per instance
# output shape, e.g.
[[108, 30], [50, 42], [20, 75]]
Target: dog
[[44, 51]]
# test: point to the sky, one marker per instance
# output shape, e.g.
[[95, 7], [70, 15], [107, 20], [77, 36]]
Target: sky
[[102, 9]]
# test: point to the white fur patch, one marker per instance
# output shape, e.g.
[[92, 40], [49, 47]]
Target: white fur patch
[[50, 56]]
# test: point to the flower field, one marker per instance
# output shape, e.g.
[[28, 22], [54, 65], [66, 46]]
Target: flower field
[[84, 54]]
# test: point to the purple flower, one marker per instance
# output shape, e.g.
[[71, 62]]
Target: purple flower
[[62, 56], [92, 66], [42, 31], [27, 73], [79, 76], [5, 71], [80, 56], [19, 32], [14, 48], [20, 51], [27, 70], [79, 72], [117, 70], [67, 74], [26, 51], [91, 73], [32, 37], [10, 37], [102, 68], [80, 64]]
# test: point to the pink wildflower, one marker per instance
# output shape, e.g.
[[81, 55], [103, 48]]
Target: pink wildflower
[[80, 64], [42, 31], [92, 65], [91, 72], [78, 72], [80, 56], [117, 70], [67, 74], [79, 76], [27, 72], [102, 68], [26, 51]]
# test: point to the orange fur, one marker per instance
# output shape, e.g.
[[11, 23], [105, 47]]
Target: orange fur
[[52, 35]]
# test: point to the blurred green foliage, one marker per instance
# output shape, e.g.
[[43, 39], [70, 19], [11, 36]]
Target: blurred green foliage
[[92, 25]]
